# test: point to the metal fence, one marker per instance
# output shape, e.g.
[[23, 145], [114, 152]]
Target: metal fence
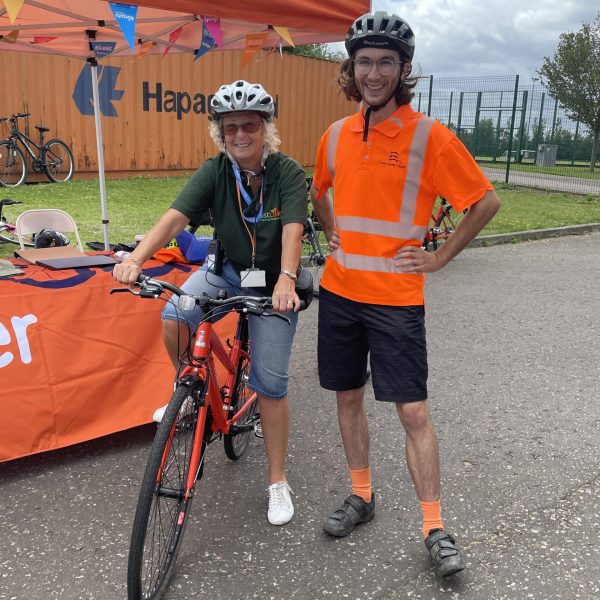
[[517, 133]]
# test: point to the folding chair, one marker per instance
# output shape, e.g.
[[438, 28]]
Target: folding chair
[[34, 220]]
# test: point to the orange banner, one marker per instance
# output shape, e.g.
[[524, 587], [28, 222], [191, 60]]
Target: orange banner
[[76, 362]]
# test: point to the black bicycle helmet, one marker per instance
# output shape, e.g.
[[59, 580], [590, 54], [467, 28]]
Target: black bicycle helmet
[[381, 30], [48, 238]]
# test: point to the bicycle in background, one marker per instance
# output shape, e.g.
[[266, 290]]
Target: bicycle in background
[[313, 238], [203, 408], [54, 157], [8, 232], [444, 221]]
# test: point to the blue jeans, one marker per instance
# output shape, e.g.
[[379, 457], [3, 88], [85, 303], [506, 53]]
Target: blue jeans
[[270, 338]]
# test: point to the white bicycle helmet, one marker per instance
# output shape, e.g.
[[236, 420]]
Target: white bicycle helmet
[[241, 95], [381, 30]]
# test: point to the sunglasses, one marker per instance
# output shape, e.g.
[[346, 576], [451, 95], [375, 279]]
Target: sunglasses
[[250, 127]]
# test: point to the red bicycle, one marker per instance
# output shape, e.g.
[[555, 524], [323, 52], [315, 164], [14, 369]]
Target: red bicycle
[[200, 412], [444, 221]]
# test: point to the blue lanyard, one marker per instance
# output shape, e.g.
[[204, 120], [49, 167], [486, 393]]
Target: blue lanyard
[[246, 196]]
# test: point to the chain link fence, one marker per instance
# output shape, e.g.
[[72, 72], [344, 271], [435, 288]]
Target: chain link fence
[[517, 133]]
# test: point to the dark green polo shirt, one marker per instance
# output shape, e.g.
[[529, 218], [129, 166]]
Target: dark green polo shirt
[[284, 201]]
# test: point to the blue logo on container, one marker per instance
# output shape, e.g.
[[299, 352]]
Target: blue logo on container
[[107, 80]]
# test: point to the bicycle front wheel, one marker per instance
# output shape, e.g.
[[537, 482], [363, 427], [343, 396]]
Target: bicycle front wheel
[[164, 500], [13, 168], [58, 161], [236, 444]]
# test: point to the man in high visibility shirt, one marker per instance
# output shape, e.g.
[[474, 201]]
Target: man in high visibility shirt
[[386, 165]]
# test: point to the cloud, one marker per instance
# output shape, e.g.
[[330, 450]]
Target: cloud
[[493, 37]]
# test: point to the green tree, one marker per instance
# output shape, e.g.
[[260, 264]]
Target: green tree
[[572, 76], [322, 51]]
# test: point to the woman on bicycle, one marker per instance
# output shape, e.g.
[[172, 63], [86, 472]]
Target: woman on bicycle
[[257, 198]]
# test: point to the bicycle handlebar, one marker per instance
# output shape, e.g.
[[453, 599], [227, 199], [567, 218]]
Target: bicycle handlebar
[[153, 288]]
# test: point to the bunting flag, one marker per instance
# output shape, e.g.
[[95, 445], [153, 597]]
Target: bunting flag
[[285, 34], [213, 26], [12, 8], [42, 40], [254, 42], [207, 43], [173, 38], [126, 16], [11, 38], [102, 49], [144, 48]]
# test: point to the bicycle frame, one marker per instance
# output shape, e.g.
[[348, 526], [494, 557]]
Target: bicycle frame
[[17, 135], [206, 347]]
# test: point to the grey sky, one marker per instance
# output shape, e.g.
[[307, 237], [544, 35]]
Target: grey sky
[[488, 37]]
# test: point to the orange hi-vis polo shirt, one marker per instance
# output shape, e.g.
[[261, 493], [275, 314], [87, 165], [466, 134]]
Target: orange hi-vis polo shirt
[[384, 191]]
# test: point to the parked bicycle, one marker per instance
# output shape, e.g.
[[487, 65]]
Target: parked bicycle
[[54, 157], [202, 409], [8, 232], [314, 240], [444, 221]]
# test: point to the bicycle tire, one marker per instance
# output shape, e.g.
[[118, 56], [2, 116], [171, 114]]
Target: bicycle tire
[[13, 167], [155, 544], [235, 445], [61, 166]]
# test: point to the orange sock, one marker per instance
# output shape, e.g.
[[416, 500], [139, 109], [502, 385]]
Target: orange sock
[[361, 483], [432, 516]]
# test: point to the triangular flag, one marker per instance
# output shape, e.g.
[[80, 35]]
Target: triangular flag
[[254, 42], [11, 38], [213, 26], [42, 40], [285, 34], [144, 48], [12, 8], [207, 43], [173, 38], [126, 16]]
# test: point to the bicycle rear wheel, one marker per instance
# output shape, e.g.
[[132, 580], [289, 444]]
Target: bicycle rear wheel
[[13, 168], [58, 161], [164, 504], [236, 444]]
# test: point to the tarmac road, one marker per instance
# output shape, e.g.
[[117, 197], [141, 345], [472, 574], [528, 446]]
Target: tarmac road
[[514, 346]]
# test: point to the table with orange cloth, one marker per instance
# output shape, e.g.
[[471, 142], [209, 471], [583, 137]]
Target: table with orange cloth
[[75, 362]]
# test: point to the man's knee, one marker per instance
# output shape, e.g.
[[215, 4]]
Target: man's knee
[[414, 415]]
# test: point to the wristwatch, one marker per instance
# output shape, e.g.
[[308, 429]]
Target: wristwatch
[[291, 275]]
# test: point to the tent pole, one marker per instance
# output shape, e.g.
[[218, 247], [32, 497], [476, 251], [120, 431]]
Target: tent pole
[[100, 149]]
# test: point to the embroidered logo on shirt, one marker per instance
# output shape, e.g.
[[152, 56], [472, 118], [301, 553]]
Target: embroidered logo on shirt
[[393, 160], [272, 215]]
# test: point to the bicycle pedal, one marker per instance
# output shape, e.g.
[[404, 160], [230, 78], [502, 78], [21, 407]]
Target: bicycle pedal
[[258, 432]]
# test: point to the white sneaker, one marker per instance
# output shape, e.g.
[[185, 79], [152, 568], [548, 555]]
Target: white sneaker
[[281, 509], [184, 411]]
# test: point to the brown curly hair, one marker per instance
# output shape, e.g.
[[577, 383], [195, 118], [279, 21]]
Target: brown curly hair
[[403, 94]]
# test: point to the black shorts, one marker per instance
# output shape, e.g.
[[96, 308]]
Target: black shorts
[[393, 335]]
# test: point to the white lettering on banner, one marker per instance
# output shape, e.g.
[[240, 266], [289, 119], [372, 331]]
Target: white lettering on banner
[[19, 325], [5, 357]]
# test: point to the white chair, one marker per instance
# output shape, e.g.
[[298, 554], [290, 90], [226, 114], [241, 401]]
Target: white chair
[[34, 220]]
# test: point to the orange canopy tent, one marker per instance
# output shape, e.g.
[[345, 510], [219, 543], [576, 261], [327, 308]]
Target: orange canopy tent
[[66, 27]]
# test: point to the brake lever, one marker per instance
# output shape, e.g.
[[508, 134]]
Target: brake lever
[[118, 290], [279, 316]]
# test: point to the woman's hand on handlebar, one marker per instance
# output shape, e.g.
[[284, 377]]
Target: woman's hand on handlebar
[[284, 296], [127, 272]]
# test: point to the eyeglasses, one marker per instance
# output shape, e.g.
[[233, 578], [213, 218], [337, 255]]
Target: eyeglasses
[[385, 66], [250, 127]]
